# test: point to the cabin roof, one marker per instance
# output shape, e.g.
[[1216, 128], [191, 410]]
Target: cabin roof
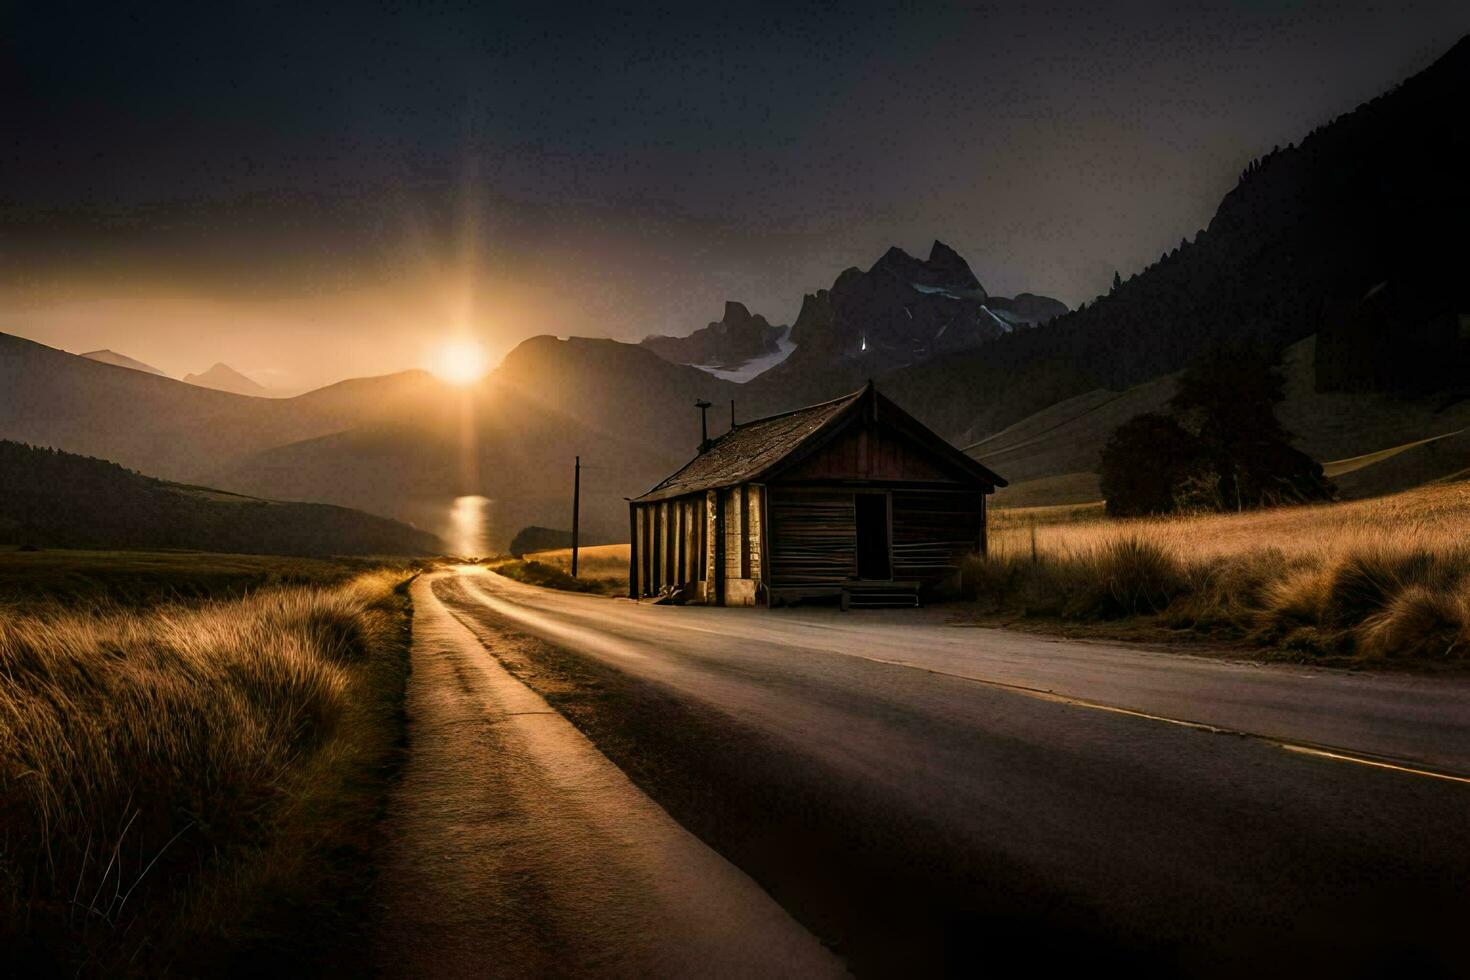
[[754, 449]]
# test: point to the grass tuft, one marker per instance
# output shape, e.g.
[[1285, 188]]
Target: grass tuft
[[1420, 623]]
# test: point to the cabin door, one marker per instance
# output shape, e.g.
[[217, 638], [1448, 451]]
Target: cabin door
[[873, 560]]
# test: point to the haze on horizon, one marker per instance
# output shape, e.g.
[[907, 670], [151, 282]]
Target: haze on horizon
[[333, 193]]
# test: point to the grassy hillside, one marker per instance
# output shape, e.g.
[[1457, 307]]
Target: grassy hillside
[[1369, 443], [144, 578], [59, 500]]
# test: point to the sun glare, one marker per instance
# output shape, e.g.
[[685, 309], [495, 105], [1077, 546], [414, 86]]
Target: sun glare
[[460, 362]]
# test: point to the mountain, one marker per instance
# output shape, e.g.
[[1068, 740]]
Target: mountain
[[901, 311], [1372, 197], [121, 360], [626, 411], [222, 377], [403, 446], [59, 500], [1376, 195], [174, 430], [727, 345]]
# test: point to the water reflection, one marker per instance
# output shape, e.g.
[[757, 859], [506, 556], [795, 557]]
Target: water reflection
[[469, 522]]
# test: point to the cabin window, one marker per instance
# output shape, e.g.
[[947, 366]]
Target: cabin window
[[872, 536]]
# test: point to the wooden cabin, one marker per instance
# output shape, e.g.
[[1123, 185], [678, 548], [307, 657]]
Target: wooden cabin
[[852, 499]]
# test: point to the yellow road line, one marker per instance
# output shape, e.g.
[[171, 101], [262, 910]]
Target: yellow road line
[[1375, 763], [1303, 748]]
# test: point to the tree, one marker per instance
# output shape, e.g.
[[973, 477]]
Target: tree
[[1227, 399], [1117, 281], [1222, 446], [1146, 464]]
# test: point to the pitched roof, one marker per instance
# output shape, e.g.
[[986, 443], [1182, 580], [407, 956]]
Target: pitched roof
[[752, 449]]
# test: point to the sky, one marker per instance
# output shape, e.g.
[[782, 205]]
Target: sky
[[313, 194]]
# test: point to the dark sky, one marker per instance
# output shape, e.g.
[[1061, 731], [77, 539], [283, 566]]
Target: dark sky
[[194, 185]]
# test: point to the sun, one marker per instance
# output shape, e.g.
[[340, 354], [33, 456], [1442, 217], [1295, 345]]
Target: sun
[[459, 362]]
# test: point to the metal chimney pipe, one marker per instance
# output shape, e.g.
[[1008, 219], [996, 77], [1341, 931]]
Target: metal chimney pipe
[[703, 407]]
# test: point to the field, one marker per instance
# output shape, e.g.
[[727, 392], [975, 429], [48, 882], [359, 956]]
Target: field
[[144, 577], [186, 782], [602, 569], [1383, 578]]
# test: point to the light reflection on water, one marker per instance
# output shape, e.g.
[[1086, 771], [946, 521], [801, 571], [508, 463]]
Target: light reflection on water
[[469, 523]]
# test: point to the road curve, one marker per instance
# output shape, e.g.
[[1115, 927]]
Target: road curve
[[1415, 721], [978, 791], [517, 849]]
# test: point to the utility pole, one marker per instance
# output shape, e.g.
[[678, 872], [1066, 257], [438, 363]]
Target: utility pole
[[576, 510]]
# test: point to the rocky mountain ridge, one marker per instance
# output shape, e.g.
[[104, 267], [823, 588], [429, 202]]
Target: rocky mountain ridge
[[725, 344]]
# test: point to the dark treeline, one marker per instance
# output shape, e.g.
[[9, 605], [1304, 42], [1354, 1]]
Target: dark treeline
[[53, 499]]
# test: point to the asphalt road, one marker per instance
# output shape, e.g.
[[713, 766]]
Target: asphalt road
[[516, 849], [926, 796]]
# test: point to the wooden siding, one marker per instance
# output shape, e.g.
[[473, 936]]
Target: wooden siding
[[933, 530], [812, 537], [756, 532], [734, 533], [672, 545], [711, 533], [871, 453]]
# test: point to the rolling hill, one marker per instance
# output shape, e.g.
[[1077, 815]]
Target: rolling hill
[[60, 500], [122, 360], [402, 446], [627, 412], [1370, 443], [165, 427]]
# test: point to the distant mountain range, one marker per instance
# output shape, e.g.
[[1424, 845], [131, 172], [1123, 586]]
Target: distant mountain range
[[61, 500], [222, 377], [901, 311], [1373, 197], [724, 346]]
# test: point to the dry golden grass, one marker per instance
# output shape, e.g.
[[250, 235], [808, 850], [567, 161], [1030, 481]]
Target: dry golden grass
[[1433, 519], [604, 564], [146, 755], [1381, 578]]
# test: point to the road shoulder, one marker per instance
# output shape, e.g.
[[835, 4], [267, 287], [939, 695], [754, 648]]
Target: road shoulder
[[518, 849]]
